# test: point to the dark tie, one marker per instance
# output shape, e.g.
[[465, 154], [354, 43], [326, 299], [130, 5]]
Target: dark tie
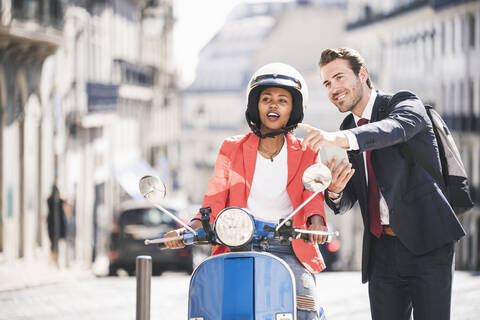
[[373, 194]]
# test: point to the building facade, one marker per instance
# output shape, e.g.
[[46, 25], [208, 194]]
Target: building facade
[[118, 102], [30, 31], [88, 102]]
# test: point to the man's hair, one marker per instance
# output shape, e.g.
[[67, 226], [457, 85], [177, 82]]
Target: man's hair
[[352, 56]]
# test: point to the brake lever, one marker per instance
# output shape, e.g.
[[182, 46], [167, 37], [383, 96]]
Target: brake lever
[[205, 219]]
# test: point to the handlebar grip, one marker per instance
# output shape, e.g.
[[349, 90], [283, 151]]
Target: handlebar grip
[[306, 236], [162, 246], [161, 241]]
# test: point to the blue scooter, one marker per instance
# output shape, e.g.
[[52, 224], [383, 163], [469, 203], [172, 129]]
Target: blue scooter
[[241, 284]]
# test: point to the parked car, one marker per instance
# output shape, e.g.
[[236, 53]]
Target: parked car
[[139, 221]]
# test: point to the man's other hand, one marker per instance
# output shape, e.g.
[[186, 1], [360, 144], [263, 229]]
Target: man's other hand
[[340, 175]]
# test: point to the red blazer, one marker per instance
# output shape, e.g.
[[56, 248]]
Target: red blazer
[[232, 179]]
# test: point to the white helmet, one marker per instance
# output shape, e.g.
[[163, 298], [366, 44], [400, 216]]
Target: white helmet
[[276, 75]]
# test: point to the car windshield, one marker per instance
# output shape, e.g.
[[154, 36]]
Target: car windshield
[[146, 217]]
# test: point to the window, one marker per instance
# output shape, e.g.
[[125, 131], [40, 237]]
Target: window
[[471, 30], [451, 106], [442, 106], [443, 38], [432, 44], [461, 115], [452, 34], [464, 33], [470, 105]]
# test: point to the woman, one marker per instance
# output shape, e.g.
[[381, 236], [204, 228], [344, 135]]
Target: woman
[[262, 171]]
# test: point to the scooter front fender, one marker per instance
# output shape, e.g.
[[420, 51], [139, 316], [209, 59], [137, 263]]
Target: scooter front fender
[[242, 285]]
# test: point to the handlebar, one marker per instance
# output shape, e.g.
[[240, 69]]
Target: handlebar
[[285, 235]]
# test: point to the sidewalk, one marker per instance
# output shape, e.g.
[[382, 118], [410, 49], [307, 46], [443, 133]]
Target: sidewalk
[[23, 274]]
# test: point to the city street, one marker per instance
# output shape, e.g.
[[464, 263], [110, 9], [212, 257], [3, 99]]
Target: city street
[[96, 95], [341, 293]]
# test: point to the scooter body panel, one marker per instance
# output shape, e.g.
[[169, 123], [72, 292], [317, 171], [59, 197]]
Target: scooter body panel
[[244, 285]]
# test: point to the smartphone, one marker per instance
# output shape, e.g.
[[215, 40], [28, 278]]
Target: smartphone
[[328, 153]]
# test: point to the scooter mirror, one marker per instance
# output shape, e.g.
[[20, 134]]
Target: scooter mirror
[[317, 177], [152, 189]]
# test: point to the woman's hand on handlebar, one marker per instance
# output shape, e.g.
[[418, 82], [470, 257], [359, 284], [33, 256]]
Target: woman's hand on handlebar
[[177, 244], [317, 223], [174, 244]]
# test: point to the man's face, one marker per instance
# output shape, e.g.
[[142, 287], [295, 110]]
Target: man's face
[[344, 88]]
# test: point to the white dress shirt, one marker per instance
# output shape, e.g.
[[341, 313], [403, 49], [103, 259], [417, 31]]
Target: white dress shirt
[[352, 141]]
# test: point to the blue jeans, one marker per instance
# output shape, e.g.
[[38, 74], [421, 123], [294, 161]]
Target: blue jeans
[[304, 281]]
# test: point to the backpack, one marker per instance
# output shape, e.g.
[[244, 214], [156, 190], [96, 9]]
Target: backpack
[[454, 177]]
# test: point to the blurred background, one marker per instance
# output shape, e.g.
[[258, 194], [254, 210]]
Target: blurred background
[[96, 94]]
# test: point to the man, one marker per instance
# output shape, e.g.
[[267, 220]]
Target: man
[[409, 226]]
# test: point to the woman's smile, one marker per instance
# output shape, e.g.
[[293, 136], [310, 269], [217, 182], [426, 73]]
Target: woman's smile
[[274, 107]]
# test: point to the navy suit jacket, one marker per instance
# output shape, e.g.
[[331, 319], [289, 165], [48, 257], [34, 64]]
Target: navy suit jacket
[[420, 215]]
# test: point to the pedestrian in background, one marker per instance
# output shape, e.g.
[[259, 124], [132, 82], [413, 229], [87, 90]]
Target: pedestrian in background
[[56, 221], [409, 227]]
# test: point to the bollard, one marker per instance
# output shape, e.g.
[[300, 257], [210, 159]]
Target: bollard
[[144, 278]]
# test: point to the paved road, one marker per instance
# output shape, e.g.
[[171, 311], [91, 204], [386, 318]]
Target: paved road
[[341, 293]]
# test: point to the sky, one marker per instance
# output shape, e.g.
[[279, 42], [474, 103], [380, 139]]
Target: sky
[[197, 22]]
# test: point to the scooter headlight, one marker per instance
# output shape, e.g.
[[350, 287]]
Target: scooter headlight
[[234, 227]]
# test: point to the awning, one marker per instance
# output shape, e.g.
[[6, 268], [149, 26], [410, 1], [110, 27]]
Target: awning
[[128, 176]]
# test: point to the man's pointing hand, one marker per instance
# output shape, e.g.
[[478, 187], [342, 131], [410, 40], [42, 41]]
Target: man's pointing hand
[[317, 138]]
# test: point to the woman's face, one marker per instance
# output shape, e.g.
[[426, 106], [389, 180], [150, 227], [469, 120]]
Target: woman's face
[[274, 107]]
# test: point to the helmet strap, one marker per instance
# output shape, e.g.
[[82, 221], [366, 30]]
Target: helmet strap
[[257, 132]]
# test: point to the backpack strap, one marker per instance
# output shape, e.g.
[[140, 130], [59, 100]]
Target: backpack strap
[[409, 154]]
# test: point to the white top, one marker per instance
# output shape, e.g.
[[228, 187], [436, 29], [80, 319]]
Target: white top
[[352, 141], [268, 199]]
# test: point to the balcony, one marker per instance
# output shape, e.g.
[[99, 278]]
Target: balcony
[[102, 97], [462, 123], [371, 15], [134, 74], [31, 28], [46, 13], [440, 4]]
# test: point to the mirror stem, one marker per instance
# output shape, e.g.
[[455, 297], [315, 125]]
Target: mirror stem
[[186, 226], [296, 210]]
